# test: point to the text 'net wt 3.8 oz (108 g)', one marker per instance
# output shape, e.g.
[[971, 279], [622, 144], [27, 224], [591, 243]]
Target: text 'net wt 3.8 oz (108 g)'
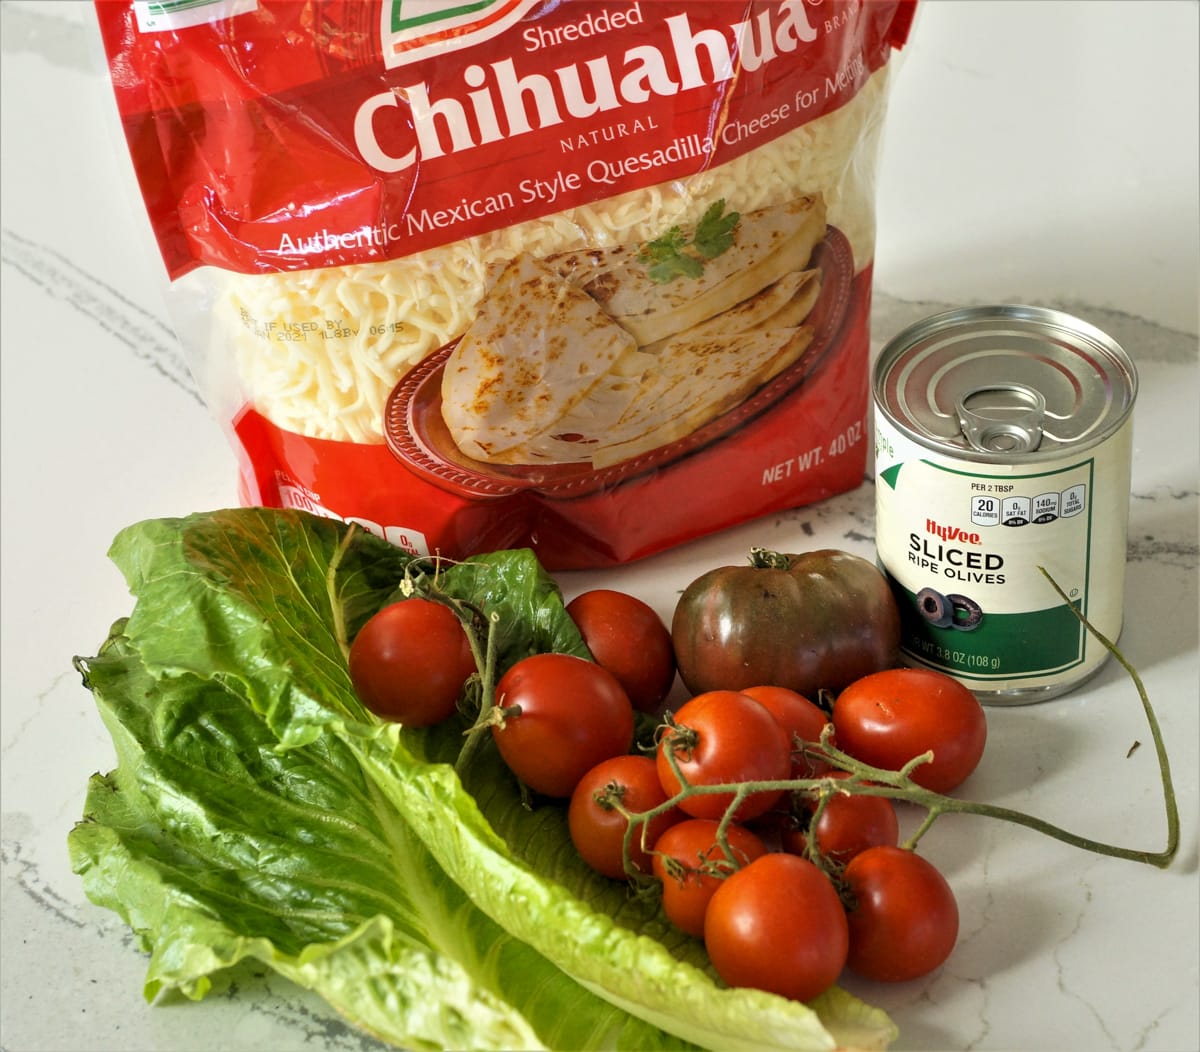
[[591, 278]]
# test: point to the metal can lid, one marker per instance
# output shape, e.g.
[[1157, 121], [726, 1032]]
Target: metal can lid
[[999, 382]]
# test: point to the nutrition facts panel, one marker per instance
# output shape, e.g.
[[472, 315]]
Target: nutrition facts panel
[[1022, 510]]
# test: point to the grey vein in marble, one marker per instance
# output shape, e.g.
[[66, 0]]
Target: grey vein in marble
[[152, 340]]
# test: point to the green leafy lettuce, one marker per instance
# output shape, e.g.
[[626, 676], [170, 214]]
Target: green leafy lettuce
[[259, 814]]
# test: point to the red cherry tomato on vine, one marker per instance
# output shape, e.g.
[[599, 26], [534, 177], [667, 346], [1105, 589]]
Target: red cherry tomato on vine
[[724, 737], [903, 916], [798, 716], [848, 825], [598, 828], [778, 925], [562, 716], [887, 718], [410, 660], [629, 639], [691, 865]]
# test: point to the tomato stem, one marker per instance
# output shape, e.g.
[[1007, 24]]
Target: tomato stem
[[610, 798], [614, 800], [812, 849], [486, 663], [765, 559]]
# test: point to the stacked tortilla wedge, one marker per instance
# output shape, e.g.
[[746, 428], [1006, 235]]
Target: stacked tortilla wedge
[[584, 357]]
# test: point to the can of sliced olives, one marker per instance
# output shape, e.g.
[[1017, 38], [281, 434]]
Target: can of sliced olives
[[1003, 444]]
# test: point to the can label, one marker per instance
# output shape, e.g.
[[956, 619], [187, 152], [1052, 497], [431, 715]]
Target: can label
[[964, 543]]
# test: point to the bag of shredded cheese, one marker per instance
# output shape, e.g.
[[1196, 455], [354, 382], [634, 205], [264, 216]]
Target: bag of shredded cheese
[[587, 276]]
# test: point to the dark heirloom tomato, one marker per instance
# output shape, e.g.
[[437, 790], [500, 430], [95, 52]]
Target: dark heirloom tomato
[[810, 622]]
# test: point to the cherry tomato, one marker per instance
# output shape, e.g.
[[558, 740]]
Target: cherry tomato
[[629, 639], [887, 718], [778, 925], [597, 828], [692, 865], [849, 824], [903, 916], [798, 716], [724, 737], [563, 715], [410, 660]]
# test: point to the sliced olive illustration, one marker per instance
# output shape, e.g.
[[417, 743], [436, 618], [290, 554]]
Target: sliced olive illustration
[[967, 614], [935, 608]]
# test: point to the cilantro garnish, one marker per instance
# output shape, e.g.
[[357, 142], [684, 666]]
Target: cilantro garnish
[[674, 255]]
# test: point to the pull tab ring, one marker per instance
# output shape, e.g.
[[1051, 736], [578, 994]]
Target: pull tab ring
[[1002, 418]]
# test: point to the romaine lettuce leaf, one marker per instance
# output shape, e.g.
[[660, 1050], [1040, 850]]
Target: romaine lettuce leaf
[[215, 846], [258, 811]]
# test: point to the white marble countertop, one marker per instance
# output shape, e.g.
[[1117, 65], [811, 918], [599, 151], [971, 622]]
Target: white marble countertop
[[1038, 152]]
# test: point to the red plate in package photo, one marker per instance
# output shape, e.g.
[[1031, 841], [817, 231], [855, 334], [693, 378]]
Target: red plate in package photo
[[685, 390]]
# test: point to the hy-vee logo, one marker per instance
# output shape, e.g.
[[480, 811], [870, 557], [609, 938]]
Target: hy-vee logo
[[418, 29]]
